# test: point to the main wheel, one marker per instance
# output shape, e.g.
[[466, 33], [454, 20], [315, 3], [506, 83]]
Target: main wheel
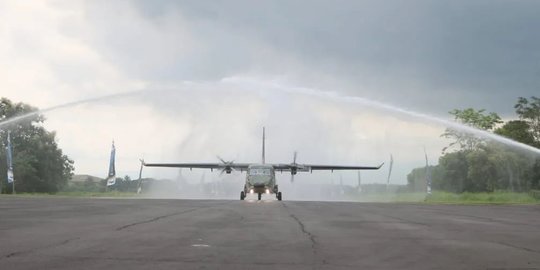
[[259, 196], [242, 195], [279, 196]]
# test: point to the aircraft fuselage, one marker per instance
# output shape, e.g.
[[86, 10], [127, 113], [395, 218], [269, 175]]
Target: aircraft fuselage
[[260, 179]]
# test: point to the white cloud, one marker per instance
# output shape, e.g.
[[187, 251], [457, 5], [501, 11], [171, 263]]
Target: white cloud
[[56, 52], [46, 63]]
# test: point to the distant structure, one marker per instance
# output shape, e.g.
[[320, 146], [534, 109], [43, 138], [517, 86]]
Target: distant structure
[[111, 176]]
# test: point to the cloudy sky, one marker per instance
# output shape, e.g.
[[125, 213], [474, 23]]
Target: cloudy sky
[[205, 76]]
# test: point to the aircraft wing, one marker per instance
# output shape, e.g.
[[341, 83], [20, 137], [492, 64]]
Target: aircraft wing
[[235, 166], [339, 167], [312, 167]]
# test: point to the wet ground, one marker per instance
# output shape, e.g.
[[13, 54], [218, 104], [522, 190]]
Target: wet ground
[[80, 233]]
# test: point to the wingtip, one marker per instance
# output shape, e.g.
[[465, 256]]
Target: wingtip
[[380, 165]]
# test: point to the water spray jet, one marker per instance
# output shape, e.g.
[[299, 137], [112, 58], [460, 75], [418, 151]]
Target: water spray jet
[[326, 95]]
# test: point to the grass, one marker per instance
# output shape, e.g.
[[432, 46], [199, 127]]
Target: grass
[[390, 197], [115, 194], [497, 197], [440, 197]]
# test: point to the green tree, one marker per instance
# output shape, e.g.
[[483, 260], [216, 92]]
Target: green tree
[[454, 169], [481, 173], [478, 165], [475, 166], [535, 175], [417, 179], [512, 167], [474, 118], [529, 111], [517, 130], [39, 164]]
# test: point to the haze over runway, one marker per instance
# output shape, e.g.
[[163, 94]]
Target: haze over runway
[[75, 233]]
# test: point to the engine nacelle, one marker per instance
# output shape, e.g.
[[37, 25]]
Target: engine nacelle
[[293, 171]]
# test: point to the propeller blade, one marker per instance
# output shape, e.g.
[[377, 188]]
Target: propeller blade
[[224, 161], [292, 178]]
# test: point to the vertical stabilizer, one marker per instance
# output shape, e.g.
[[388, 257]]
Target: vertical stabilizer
[[263, 147]]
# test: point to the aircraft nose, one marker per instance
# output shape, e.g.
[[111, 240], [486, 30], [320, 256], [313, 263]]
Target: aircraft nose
[[260, 181]]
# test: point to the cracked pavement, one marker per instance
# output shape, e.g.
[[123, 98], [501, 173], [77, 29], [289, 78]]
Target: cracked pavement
[[87, 233]]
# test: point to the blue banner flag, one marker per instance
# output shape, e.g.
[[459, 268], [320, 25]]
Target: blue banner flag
[[9, 157], [111, 177]]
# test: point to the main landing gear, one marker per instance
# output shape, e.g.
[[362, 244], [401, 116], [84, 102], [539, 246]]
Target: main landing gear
[[243, 196]]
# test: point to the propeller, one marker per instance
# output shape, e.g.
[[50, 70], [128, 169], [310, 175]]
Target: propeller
[[227, 168], [294, 167]]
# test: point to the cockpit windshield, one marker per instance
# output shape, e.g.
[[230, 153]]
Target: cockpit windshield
[[259, 171]]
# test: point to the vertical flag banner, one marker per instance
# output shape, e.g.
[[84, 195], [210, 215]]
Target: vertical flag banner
[[139, 185], [428, 175], [111, 177], [9, 157], [389, 171]]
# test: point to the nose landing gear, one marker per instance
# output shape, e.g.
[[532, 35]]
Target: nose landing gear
[[278, 196]]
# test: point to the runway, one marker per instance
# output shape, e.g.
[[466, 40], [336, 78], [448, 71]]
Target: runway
[[86, 233]]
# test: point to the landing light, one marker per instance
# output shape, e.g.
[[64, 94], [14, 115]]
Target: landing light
[[267, 191], [251, 191]]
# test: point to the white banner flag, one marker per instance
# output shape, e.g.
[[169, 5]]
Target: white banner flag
[[111, 177], [9, 157]]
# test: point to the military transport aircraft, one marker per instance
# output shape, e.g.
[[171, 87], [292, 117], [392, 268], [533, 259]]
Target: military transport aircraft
[[260, 177]]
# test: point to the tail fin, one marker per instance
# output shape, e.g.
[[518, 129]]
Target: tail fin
[[263, 148]]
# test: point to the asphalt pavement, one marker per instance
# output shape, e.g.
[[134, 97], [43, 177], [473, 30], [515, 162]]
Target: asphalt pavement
[[86, 233]]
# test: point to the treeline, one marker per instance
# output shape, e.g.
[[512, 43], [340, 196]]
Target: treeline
[[474, 164], [38, 163]]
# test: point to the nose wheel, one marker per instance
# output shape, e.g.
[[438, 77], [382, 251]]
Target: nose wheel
[[278, 196], [259, 196], [242, 195]]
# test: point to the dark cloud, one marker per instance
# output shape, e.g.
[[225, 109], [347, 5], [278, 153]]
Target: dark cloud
[[427, 55]]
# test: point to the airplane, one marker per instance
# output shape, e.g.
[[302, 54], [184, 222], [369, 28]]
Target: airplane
[[261, 177]]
